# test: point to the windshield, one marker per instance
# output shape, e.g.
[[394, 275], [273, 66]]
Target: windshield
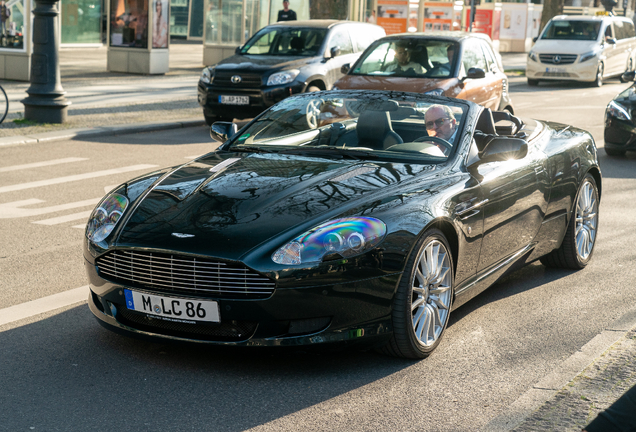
[[572, 30], [409, 57], [358, 125], [285, 41]]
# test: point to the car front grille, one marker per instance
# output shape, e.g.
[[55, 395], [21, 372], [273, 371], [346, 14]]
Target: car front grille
[[247, 80], [557, 74], [183, 274], [231, 331], [558, 59]]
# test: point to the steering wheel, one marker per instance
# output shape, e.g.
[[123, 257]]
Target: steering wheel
[[436, 140], [313, 112]]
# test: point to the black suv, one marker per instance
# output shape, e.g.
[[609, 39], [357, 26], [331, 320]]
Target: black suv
[[279, 60]]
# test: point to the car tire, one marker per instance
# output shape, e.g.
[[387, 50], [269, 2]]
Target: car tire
[[313, 88], [630, 68], [578, 244], [614, 152], [598, 82], [533, 82], [210, 120], [422, 303]]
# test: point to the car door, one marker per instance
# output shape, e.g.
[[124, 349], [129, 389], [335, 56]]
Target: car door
[[611, 52], [623, 46], [517, 193], [480, 90], [339, 37]]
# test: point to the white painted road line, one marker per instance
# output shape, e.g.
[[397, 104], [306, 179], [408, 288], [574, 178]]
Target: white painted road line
[[79, 226], [14, 209], [41, 164], [43, 305], [72, 178], [63, 219]]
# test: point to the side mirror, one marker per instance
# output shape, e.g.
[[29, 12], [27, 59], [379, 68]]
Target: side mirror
[[475, 73], [334, 51], [238, 49], [345, 68], [503, 149], [223, 131], [534, 39], [610, 41], [628, 76]]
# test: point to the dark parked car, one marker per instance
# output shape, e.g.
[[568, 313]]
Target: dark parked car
[[280, 60], [339, 217], [620, 127], [454, 64]]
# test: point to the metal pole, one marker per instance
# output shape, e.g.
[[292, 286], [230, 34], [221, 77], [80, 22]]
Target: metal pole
[[46, 102], [472, 15]]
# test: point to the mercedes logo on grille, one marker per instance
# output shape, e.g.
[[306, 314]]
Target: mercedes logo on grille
[[236, 79], [557, 59]]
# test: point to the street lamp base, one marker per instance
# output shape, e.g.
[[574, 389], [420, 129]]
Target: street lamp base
[[46, 113]]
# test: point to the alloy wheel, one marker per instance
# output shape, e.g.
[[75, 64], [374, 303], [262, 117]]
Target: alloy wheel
[[586, 220], [431, 295]]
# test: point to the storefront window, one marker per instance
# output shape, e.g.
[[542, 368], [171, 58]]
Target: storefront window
[[129, 23], [300, 7], [81, 21], [255, 16], [12, 27], [223, 22], [179, 18], [196, 19]]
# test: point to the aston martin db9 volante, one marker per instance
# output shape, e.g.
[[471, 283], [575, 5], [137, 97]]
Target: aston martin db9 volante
[[341, 217]]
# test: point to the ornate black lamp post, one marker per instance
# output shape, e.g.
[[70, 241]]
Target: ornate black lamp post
[[46, 102]]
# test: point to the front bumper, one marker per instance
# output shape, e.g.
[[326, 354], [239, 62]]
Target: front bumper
[[348, 313], [259, 99], [576, 71]]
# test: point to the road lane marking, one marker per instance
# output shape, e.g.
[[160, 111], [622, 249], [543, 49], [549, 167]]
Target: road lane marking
[[14, 209], [43, 305], [79, 226], [72, 178], [63, 219], [41, 164]]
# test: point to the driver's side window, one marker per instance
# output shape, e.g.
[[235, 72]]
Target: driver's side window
[[473, 56], [340, 38]]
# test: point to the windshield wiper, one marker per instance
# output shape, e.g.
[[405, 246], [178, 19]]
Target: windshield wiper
[[353, 154], [251, 149]]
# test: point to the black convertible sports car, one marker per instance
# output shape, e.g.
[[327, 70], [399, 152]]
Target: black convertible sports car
[[620, 127], [343, 216]]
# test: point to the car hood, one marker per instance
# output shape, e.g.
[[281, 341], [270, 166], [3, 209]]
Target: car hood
[[262, 63], [227, 210], [408, 84], [563, 47]]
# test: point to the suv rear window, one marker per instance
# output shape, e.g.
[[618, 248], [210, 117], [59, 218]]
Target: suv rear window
[[572, 30]]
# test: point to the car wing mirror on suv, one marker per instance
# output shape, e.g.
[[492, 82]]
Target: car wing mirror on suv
[[628, 76], [504, 149], [223, 131], [345, 68], [334, 51], [238, 49], [610, 40], [475, 73]]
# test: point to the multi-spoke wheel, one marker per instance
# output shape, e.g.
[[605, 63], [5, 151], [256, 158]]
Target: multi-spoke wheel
[[422, 303], [578, 244], [313, 112]]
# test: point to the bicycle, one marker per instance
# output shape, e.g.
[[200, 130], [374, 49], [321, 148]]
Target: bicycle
[[4, 104]]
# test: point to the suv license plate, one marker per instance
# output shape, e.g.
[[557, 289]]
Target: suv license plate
[[234, 100], [172, 308]]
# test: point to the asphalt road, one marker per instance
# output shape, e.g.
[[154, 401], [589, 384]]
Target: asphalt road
[[61, 371]]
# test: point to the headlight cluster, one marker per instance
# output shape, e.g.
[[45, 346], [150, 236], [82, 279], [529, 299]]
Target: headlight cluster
[[207, 75], [105, 217], [284, 77], [347, 237], [618, 111], [587, 56], [533, 56]]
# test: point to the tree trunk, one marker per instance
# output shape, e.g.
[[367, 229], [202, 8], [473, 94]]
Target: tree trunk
[[328, 9], [551, 8]]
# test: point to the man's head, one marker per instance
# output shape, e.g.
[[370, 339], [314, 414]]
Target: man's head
[[450, 53], [440, 122], [402, 55], [286, 5]]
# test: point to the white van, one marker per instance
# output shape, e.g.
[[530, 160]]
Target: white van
[[582, 48]]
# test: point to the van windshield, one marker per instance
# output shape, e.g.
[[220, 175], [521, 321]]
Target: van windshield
[[572, 30]]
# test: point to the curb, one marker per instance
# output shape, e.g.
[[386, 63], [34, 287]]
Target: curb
[[547, 387], [97, 131]]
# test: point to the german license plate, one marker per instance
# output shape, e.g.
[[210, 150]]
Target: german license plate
[[172, 308], [555, 69], [234, 100]]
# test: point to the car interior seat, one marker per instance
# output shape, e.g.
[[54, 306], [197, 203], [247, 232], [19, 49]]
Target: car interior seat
[[485, 125], [419, 55], [297, 43], [375, 131]]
